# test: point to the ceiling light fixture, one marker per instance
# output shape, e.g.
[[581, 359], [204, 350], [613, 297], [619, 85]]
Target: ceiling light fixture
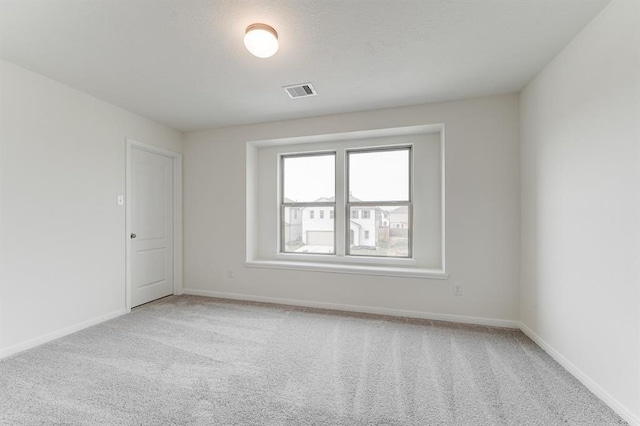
[[261, 40]]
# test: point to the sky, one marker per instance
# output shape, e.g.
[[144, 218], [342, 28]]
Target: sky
[[374, 176], [308, 178]]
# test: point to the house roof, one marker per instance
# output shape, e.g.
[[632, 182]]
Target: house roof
[[331, 199], [401, 209], [325, 200]]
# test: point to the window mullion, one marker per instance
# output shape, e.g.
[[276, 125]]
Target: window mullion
[[340, 220]]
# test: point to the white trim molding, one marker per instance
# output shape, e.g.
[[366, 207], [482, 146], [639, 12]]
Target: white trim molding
[[591, 384], [263, 240], [337, 268], [490, 322], [177, 215], [32, 343]]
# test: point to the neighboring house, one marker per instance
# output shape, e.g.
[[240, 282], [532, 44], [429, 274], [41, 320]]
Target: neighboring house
[[364, 224], [292, 223], [318, 225], [399, 222], [385, 218], [399, 218]]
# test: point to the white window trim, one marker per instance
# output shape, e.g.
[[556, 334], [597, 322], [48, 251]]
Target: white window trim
[[359, 269], [362, 265]]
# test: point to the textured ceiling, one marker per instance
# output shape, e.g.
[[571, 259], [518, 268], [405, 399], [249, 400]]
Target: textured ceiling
[[183, 63]]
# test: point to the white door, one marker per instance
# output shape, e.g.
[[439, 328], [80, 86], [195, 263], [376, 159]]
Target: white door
[[151, 226]]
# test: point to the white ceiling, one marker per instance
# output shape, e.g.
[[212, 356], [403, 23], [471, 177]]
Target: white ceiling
[[183, 63]]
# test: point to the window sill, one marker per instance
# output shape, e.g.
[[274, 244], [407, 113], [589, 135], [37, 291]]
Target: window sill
[[331, 259], [389, 271]]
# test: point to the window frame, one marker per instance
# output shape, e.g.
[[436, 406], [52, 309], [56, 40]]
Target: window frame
[[341, 159], [374, 204], [303, 205], [430, 191]]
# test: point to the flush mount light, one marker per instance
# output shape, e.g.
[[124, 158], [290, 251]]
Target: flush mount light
[[261, 40]]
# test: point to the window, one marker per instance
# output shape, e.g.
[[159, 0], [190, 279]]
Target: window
[[380, 180], [295, 213], [317, 172], [377, 180], [307, 181]]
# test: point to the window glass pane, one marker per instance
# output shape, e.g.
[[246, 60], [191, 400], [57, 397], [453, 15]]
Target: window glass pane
[[309, 178], [292, 228], [379, 231], [306, 233], [379, 175]]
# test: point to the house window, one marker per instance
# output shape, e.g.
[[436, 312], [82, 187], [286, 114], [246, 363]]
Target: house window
[[376, 179], [319, 172], [379, 179], [307, 181]]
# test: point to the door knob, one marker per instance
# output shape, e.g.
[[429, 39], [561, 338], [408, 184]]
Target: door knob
[[133, 235]]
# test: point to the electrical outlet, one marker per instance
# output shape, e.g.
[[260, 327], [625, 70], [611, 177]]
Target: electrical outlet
[[457, 289], [229, 274]]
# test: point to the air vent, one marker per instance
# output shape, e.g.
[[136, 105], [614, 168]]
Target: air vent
[[300, 90]]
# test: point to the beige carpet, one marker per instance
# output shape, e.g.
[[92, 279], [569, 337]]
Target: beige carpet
[[194, 360]]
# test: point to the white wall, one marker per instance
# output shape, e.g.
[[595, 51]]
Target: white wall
[[581, 207], [62, 236], [482, 219]]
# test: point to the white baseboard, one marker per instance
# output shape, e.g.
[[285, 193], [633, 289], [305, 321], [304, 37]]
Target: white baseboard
[[615, 405], [358, 308], [32, 343]]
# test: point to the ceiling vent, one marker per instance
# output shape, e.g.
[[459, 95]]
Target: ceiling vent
[[300, 90]]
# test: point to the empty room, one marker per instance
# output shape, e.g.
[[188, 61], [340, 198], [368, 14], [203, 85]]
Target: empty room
[[300, 212]]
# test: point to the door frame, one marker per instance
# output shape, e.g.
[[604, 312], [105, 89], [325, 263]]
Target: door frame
[[177, 214]]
